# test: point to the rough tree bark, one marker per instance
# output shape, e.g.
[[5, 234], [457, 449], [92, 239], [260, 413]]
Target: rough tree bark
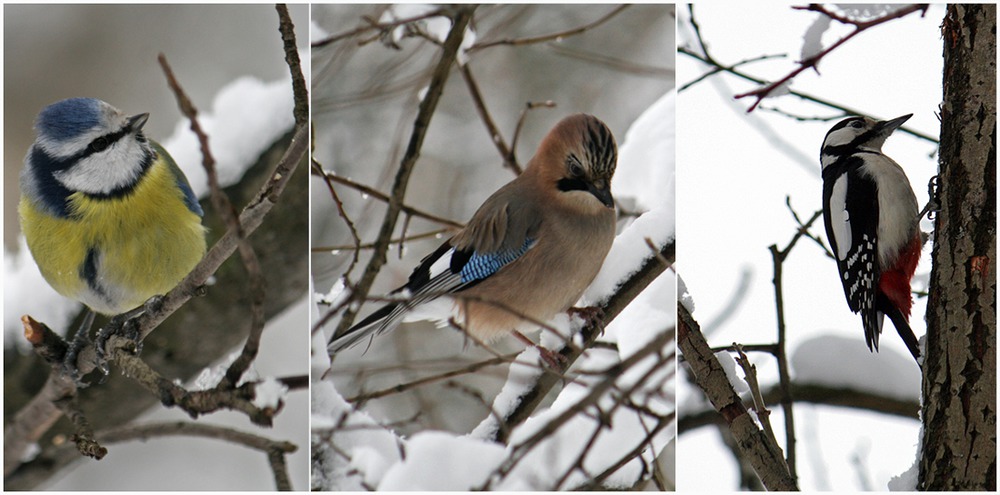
[[959, 435]]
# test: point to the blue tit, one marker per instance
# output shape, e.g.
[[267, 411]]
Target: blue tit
[[108, 216]]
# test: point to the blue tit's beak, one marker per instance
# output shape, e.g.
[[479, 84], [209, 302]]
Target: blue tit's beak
[[135, 122]]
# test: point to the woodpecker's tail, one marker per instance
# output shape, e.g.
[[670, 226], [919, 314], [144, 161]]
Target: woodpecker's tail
[[899, 320]]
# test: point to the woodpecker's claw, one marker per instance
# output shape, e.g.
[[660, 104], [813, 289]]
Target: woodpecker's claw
[[933, 202]]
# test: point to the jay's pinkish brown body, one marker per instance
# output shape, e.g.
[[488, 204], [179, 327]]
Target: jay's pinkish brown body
[[530, 250]]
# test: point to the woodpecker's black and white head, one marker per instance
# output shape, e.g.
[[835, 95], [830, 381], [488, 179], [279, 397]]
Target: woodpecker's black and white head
[[855, 134]]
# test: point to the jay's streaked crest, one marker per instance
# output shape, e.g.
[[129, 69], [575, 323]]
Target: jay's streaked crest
[[872, 223], [529, 251]]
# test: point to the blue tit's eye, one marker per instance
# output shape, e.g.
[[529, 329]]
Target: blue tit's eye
[[140, 137], [100, 144]]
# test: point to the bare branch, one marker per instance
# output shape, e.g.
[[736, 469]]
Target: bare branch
[[762, 452], [813, 61], [462, 16], [549, 37]]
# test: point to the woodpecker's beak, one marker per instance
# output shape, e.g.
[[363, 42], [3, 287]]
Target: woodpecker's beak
[[135, 122], [887, 127]]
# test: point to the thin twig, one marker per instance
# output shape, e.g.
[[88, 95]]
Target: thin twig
[[750, 377], [472, 368], [318, 170], [706, 57], [274, 449], [449, 52], [813, 61], [437, 233], [83, 437], [531, 105], [379, 26], [650, 269], [220, 201], [363, 189], [509, 160], [300, 91], [758, 449], [549, 37], [784, 377]]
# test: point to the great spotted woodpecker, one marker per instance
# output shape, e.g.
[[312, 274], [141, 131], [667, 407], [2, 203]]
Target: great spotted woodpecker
[[872, 224]]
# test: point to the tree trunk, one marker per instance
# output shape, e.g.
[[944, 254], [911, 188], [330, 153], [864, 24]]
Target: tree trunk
[[959, 434]]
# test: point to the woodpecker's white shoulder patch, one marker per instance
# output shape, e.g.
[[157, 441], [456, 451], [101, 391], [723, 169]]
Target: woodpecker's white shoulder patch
[[840, 221]]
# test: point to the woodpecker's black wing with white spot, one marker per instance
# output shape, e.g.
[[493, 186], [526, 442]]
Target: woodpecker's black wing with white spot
[[851, 215]]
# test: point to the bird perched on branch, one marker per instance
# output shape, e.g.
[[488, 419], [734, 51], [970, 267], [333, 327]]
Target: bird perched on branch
[[873, 225], [530, 250], [107, 215]]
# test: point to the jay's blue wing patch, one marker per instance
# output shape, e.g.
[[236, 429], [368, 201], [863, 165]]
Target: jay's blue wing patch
[[444, 271], [479, 266]]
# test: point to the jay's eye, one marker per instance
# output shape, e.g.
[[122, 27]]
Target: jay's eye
[[575, 170]]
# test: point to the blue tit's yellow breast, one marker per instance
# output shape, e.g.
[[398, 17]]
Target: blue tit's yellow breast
[[114, 253]]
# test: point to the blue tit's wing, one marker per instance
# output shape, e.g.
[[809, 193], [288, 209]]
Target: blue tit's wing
[[190, 200], [451, 268]]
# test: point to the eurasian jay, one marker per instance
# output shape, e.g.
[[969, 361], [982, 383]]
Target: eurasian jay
[[530, 250]]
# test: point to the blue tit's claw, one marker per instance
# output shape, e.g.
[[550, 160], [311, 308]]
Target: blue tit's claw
[[69, 364], [125, 326], [81, 339]]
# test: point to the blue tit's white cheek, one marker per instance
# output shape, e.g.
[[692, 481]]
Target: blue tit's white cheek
[[115, 168]]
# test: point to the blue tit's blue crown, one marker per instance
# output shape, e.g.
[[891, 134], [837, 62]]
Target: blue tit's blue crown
[[69, 118]]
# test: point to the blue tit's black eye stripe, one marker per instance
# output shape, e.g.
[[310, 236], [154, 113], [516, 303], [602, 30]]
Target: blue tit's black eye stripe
[[101, 143], [55, 196]]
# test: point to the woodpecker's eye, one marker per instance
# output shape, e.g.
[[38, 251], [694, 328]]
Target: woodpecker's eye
[[857, 124], [100, 144]]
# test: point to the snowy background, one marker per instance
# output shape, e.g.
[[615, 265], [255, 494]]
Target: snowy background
[[734, 172], [364, 102], [231, 63]]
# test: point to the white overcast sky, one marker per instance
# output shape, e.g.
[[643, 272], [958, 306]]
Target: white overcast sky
[[734, 171]]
